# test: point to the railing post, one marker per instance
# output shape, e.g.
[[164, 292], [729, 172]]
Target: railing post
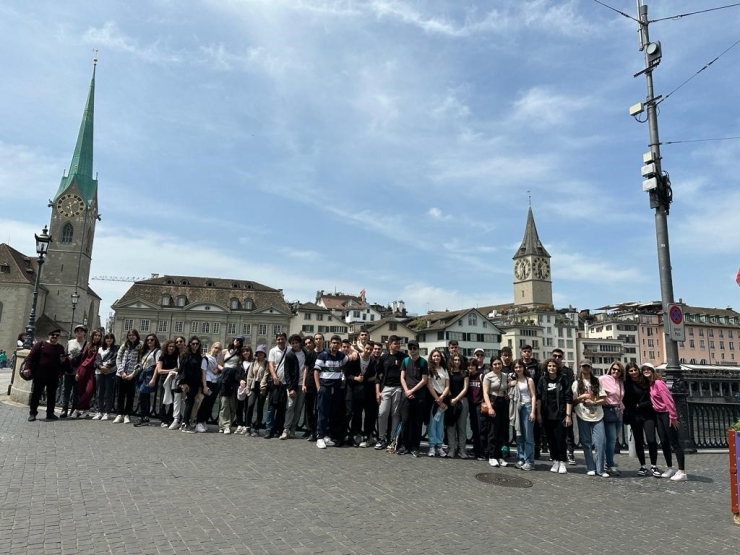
[[680, 392]]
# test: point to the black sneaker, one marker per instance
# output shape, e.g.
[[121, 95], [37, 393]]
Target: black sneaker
[[643, 471], [142, 422], [311, 438], [64, 414], [571, 459], [415, 454], [32, 418], [51, 417], [307, 434], [655, 471], [268, 435], [382, 444], [401, 451]]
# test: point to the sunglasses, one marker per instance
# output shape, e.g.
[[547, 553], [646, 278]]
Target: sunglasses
[[54, 335], [195, 344], [413, 348], [150, 340], [557, 356]]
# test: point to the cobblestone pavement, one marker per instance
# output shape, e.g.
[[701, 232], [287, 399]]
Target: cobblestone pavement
[[82, 487]]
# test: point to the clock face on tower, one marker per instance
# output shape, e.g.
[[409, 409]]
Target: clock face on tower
[[541, 268], [521, 269], [70, 205]]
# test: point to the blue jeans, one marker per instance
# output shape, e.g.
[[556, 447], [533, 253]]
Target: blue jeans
[[436, 429], [525, 441], [592, 435], [611, 429]]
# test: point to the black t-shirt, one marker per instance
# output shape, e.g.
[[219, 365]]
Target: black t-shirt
[[389, 369], [352, 370], [551, 394], [457, 383], [310, 363], [415, 370]]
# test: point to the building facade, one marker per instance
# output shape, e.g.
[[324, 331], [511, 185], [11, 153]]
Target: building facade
[[213, 309], [469, 327], [310, 318]]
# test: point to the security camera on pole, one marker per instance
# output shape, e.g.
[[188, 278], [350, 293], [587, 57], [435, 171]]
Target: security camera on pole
[[657, 184]]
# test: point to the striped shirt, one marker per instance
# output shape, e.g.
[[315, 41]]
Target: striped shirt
[[330, 367]]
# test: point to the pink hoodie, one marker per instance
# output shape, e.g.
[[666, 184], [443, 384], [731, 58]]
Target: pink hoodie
[[662, 399], [614, 390]]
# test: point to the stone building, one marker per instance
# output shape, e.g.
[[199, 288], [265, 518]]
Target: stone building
[[66, 270], [214, 309]]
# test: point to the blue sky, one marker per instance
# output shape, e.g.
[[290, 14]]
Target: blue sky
[[384, 145]]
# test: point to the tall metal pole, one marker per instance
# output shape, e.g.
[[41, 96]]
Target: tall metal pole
[[661, 197], [31, 326]]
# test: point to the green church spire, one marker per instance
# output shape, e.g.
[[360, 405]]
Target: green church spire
[[81, 168]]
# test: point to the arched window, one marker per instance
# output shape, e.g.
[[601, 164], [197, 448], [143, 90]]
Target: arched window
[[234, 303], [249, 303], [67, 233], [166, 300], [181, 300]]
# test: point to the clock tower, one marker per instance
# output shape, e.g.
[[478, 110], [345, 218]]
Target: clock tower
[[74, 213], [532, 279]]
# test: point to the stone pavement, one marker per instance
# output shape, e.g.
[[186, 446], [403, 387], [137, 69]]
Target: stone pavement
[[84, 487]]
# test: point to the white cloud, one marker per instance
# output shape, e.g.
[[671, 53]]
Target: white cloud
[[436, 213], [110, 36], [540, 108]]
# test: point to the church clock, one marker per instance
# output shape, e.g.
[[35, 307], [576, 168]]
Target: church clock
[[70, 206], [521, 269], [541, 268]]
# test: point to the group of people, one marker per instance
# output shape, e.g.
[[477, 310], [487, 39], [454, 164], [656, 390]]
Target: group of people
[[367, 394]]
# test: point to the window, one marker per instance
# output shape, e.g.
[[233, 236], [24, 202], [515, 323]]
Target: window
[[166, 300], [459, 323], [5, 268], [205, 327], [561, 343], [193, 327], [702, 345], [184, 282], [392, 326], [710, 333], [209, 283], [230, 329], [722, 345], [691, 331], [234, 303], [721, 333], [178, 327], [732, 345], [711, 344], [319, 317], [128, 324], [276, 329], [651, 354], [560, 332], [701, 332], [472, 319], [372, 317], [246, 329], [569, 343], [570, 332], [249, 303], [204, 346], [181, 300], [729, 334], [144, 325], [307, 316], [651, 343], [67, 233], [307, 328], [162, 327], [262, 329], [691, 344], [216, 328], [355, 313]]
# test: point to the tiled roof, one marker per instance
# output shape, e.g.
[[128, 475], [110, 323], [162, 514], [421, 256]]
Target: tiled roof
[[204, 289], [339, 302], [531, 244], [16, 267], [311, 306]]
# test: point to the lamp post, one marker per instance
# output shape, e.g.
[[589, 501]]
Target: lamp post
[[42, 247], [75, 300]]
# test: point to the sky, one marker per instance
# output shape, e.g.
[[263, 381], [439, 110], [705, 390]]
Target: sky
[[385, 145]]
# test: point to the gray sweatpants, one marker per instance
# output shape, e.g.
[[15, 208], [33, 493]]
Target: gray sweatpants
[[390, 407]]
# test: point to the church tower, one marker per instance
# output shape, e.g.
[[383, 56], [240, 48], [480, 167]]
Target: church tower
[[532, 280], [74, 213]]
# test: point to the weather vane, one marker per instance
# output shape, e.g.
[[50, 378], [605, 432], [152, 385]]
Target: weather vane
[[95, 59], [529, 194]]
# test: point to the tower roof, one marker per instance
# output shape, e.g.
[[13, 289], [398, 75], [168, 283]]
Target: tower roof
[[81, 167], [531, 244]]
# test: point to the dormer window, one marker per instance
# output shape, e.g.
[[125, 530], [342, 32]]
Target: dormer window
[[184, 282], [249, 303], [209, 283], [181, 300], [5, 269], [166, 300], [170, 282], [235, 285], [234, 303]]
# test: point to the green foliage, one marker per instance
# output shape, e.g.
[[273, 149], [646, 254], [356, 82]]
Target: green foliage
[[736, 426]]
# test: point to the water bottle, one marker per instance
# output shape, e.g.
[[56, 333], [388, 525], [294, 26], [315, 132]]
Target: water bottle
[[438, 416]]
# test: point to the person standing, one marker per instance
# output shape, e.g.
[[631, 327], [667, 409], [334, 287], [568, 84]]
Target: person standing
[[328, 374], [191, 381], [295, 360], [354, 395], [641, 417], [211, 387], [554, 413], [256, 390], [242, 426], [277, 393], [613, 385], [308, 386], [74, 353], [106, 368], [388, 392], [588, 398], [522, 400], [495, 396], [127, 362], [368, 364], [166, 372], [570, 440], [439, 390], [532, 366], [475, 400], [229, 366], [414, 377], [456, 416], [85, 376], [43, 365]]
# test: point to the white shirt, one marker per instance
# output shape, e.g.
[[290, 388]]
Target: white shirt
[[277, 357]]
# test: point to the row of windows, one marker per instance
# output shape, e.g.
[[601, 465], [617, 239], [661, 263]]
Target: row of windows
[[234, 303], [309, 328], [319, 317], [145, 326], [710, 332]]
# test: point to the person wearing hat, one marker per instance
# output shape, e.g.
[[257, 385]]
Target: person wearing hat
[[44, 365], [74, 352], [256, 390], [667, 423]]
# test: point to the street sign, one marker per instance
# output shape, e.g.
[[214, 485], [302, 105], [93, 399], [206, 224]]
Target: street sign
[[675, 324]]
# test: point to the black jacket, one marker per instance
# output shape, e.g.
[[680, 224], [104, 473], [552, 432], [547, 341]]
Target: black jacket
[[190, 372], [293, 370], [565, 395]]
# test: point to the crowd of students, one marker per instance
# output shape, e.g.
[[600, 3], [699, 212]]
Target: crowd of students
[[366, 394]]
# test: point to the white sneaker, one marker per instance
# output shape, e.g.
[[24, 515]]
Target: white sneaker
[[493, 463], [563, 469], [680, 476], [605, 475], [328, 442], [591, 473], [84, 414], [238, 430], [285, 434], [668, 473], [227, 431], [527, 466], [164, 425], [321, 444], [200, 428], [502, 463], [126, 420], [441, 452], [118, 419], [104, 417], [555, 466], [175, 424], [97, 416]]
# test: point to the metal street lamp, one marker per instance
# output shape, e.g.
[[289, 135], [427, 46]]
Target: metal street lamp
[[75, 300], [42, 247]]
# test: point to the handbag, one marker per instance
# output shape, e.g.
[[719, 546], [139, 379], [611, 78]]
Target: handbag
[[612, 414], [484, 409], [145, 376]]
